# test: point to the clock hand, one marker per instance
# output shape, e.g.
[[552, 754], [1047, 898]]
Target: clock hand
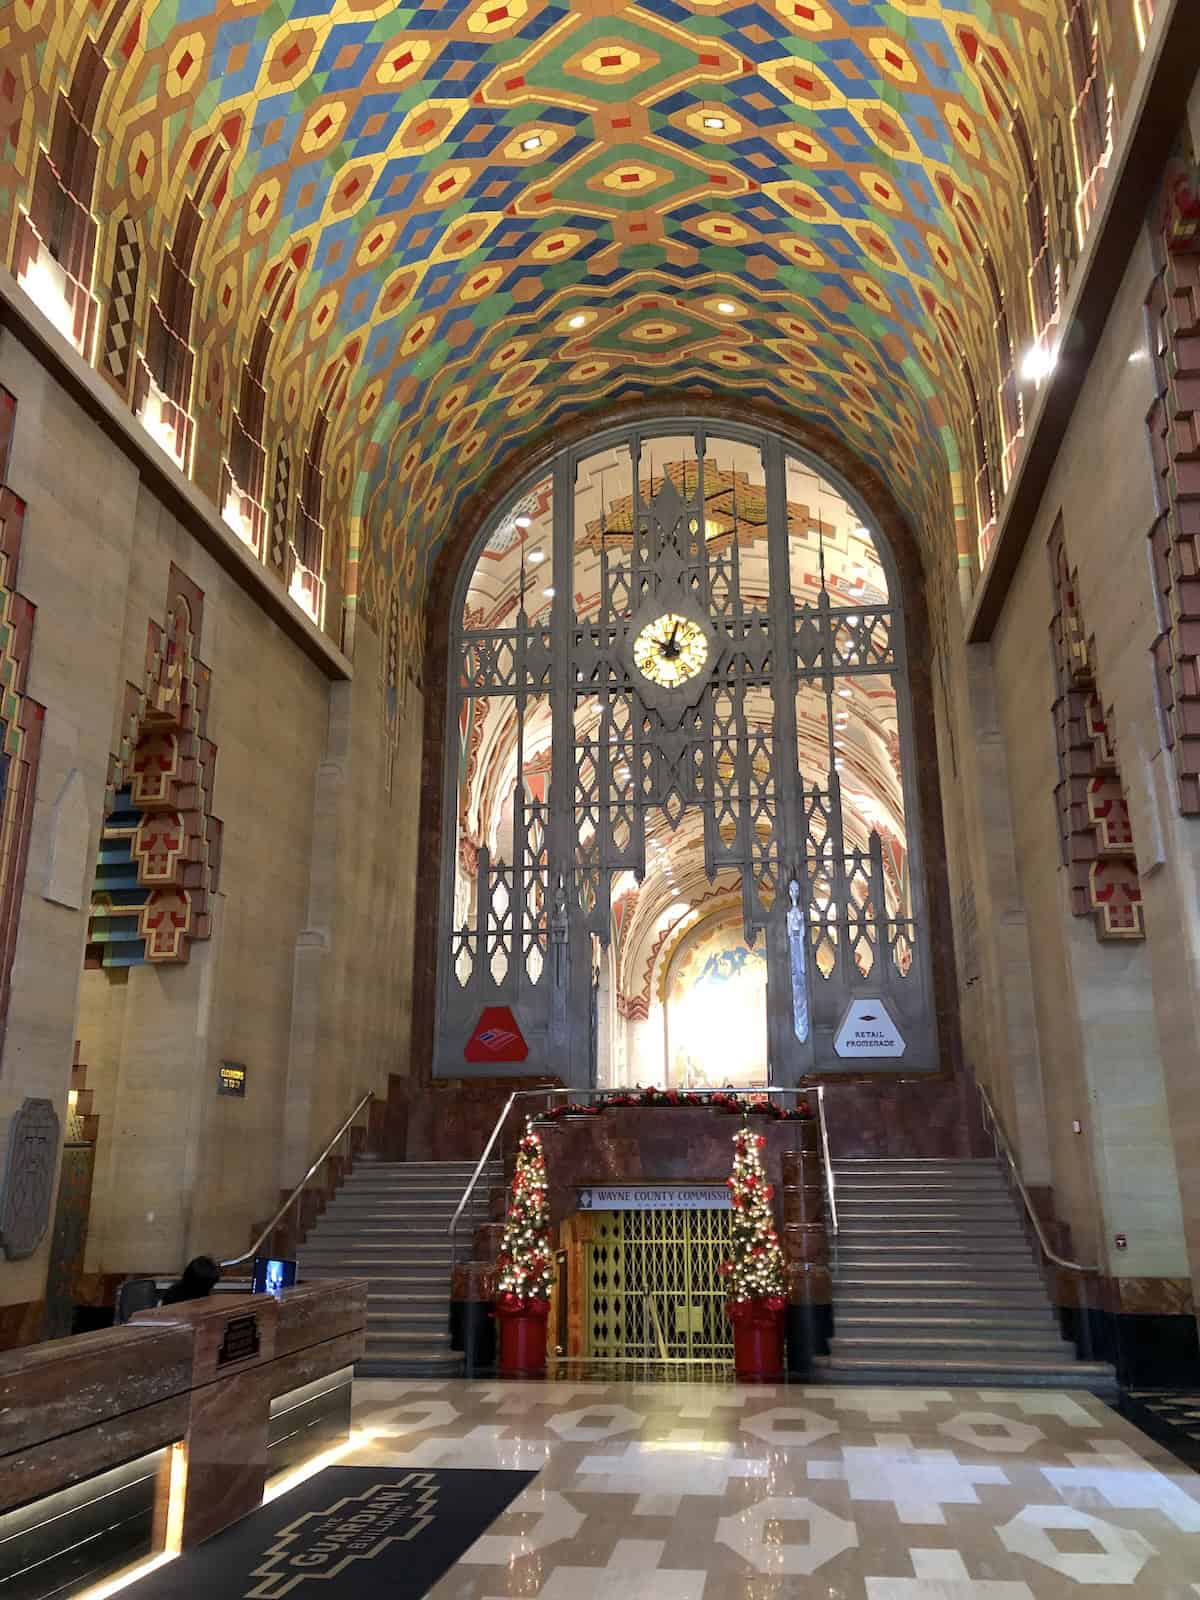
[[670, 649]]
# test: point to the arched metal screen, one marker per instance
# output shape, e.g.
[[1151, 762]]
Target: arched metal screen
[[678, 679]]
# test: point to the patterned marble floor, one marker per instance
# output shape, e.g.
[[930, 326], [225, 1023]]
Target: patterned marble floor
[[691, 1492]]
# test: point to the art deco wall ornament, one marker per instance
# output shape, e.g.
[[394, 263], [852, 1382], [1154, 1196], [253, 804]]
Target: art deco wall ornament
[[27, 1186]]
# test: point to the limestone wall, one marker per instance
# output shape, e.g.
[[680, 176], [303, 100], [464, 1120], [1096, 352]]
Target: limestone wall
[[305, 979], [1080, 1030]]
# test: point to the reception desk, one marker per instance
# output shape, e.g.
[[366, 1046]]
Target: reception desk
[[172, 1424]]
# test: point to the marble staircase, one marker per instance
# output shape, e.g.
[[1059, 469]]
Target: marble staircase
[[390, 1224], [935, 1282]]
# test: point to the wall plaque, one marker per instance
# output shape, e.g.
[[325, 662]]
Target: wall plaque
[[241, 1340], [27, 1187], [231, 1079]]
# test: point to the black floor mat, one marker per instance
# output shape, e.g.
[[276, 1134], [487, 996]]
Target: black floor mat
[[349, 1533]]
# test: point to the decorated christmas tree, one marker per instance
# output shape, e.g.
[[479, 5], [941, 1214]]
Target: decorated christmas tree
[[755, 1270], [524, 1265]]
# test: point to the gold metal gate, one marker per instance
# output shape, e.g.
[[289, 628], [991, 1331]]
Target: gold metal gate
[[654, 1291]]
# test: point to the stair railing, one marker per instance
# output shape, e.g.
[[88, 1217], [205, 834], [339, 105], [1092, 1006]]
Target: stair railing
[[294, 1198], [1079, 1273], [830, 1182], [549, 1095]]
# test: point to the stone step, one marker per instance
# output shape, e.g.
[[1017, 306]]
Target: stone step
[[948, 1239], [1031, 1309], [389, 1272], [426, 1272], [429, 1166], [955, 1342], [315, 1249], [375, 1232], [854, 1321], [877, 1208], [880, 1167], [405, 1319], [400, 1341], [985, 1261], [442, 1364], [921, 1280], [916, 1183], [398, 1196], [946, 1371]]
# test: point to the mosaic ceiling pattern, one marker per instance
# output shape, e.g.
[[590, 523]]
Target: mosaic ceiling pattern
[[465, 221]]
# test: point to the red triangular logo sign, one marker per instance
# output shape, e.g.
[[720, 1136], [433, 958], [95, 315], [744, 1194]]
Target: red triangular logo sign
[[496, 1037]]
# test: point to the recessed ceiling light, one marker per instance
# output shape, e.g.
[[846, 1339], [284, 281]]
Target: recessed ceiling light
[[523, 522], [577, 321], [845, 693], [549, 593], [536, 557], [726, 307], [862, 533], [714, 122], [534, 142]]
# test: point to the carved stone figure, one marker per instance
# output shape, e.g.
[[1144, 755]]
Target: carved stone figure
[[27, 1186]]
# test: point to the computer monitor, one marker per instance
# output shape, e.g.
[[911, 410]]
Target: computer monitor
[[272, 1274]]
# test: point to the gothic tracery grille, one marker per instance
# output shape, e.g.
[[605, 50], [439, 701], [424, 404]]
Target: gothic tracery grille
[[591, 805]]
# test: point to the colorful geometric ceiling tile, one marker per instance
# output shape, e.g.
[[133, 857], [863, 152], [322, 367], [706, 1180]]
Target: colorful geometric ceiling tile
[[387, 222]]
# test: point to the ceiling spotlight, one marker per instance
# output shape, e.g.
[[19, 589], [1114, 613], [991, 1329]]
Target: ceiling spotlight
[[577, 321], [716, 123], [549, 593], [523, 522], [845, 693], [536, 557], [534, 142], [726, 308], [1038, 363], [862, 533]]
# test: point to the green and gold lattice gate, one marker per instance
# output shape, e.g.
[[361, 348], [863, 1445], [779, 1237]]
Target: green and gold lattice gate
[[654, 1291]]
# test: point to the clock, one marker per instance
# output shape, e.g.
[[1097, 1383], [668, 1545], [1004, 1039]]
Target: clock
[[670, 650]]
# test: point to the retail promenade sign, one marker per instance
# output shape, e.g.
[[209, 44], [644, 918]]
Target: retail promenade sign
[[656, 1197]]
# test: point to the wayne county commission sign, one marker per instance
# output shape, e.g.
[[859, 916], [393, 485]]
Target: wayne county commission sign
[[628, 1197]]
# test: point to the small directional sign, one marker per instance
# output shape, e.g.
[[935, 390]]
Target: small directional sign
[[868, 1032], [231, 1079]]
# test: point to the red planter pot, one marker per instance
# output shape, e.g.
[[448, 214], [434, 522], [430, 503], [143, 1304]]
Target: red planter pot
[[523, 1338], [757, 1341]]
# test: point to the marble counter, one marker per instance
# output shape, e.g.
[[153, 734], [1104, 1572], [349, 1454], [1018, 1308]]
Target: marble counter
[[203, 1373]]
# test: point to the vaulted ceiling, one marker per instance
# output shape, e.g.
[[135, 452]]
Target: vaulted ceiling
[[402, 238]]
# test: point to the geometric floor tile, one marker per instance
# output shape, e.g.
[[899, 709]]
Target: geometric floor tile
[[942, 1575], [704, 1491], [1118, 1556]]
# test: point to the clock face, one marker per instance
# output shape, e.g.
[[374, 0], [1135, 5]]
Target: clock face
[[670, 650]]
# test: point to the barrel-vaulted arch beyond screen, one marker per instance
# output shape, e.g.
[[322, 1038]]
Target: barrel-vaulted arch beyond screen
[[678, 696]]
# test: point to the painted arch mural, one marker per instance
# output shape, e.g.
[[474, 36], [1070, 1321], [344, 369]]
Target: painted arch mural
[[339, 257]]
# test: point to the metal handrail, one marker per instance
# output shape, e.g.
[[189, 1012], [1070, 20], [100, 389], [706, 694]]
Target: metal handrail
[[573, 1094], [237, 1261], [830, 1185], [1000, 1140]]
